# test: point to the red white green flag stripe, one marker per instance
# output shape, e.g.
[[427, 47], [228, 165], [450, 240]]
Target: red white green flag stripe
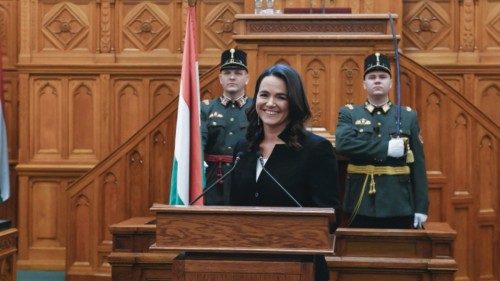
[[187, 169]]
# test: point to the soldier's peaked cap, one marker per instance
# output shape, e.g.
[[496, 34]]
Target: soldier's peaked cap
[[233, 59], [377, 61]]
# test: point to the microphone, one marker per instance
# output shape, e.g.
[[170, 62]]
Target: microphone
[[261, 160], [236, 160]]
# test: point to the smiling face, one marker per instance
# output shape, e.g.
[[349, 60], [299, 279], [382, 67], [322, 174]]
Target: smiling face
[[233, 82], [377, 85], [272, 103]]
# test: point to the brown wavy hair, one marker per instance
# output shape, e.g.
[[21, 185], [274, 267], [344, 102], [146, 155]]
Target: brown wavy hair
[[298, 112]]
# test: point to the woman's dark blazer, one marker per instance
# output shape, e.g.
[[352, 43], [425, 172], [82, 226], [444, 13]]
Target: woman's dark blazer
[[309, 174]]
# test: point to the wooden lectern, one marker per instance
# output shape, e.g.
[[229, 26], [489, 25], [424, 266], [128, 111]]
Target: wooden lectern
[[243, 243]]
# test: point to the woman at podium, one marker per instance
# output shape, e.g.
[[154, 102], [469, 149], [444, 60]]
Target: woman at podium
[[280, 163]]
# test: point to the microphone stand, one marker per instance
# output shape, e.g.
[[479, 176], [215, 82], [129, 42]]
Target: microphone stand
[[261, 160], [236, 160]]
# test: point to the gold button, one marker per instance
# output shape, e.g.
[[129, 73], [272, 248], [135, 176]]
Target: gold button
[[378, 112], [229, 147], [227, 164], [232, 119], [361, 130], [232, 105], [214, 123], [379, 136], [230, 133], [380, 124]]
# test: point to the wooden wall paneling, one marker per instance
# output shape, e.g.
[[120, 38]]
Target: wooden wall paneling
[[47, 211], [487, 94], [431, 27], [466, 24], [162, 91], [161, 163], [83, 119], [217, 25], [64, 30], [468, 128], [487, 248], [129, 110], [488, 34], [349, 80], [137, 181], [46, 125], [117, 188], [105, 130], [106, 45], [316, 77], [9, 33], [480, 85], [146, 32], [42, 215]]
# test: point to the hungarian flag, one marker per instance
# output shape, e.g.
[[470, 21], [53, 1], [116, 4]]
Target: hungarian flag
[[4, 151], [187, 170]]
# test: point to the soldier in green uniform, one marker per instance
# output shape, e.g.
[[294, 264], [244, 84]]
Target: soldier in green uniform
[[386, 185], [224, 122]]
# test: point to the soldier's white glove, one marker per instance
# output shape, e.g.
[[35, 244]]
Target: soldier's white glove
[[419, 220], [396, 148]]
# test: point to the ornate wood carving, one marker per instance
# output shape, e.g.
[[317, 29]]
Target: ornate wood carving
[[65, 26], [105, 42], [333, 27], [350, 71], [146, 26], [467, 28]]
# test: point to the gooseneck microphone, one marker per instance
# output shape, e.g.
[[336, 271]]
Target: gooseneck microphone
[[236, 160], [261, 160]]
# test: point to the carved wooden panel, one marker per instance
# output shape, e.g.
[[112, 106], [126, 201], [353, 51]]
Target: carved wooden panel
[[70, 130], [124, 185], [429, 25], [147, 26], [8, 32], [481, 88], [450, 32], [218, 24], [488, 37], [47, 126], [487, 95], [136, 100]]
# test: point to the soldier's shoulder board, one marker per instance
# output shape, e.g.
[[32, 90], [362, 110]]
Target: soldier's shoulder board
[[408, 108], [350, 106]]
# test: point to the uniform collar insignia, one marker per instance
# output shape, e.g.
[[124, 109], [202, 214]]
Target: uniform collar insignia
[[384, 108], [240, 102]]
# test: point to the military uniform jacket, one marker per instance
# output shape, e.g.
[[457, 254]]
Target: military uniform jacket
[[362, 135], [222, 126]]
